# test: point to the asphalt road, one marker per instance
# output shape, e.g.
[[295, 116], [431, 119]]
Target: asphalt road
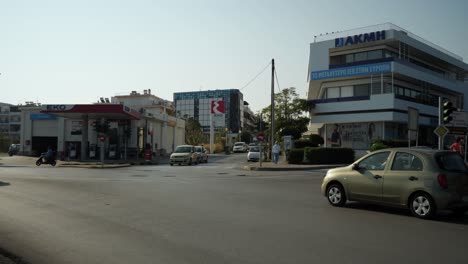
[[209, 213]]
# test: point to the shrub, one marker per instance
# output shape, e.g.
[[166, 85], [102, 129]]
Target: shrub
[[302, 143], [316, 140], [377, 145], [218, 148], [296, 156], [329, 155]]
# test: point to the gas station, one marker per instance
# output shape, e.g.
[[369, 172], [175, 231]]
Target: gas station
[[90, 128]]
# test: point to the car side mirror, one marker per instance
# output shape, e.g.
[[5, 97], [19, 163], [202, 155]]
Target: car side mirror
[[356, 167]]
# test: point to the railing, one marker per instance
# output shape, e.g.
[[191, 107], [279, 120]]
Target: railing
[[379, 27], [339, 99]]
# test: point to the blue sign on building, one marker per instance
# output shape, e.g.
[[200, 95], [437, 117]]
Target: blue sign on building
[[366, 69], [42, 117]]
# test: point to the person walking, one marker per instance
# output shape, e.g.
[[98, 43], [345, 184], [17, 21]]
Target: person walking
[[276, 151], [457, 146]]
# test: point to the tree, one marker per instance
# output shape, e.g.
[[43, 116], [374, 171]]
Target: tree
[[193, 132], [245, 137], [289, 114]]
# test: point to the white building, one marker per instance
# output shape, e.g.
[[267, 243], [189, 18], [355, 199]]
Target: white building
[[361, 83]]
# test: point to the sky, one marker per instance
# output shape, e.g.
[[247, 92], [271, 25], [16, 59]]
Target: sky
[[73, 52]]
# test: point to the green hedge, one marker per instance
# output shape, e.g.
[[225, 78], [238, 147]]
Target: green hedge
[[329, 155], [296, 156], [302, 143]]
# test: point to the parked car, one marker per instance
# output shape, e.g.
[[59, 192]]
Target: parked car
[[252, 145], [254, 153], [184, 154], [13, 149], [240, 147], [201, 154], [421, 179]]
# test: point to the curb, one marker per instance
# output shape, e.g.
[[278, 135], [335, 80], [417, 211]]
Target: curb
[[95, 166], [318, 167]]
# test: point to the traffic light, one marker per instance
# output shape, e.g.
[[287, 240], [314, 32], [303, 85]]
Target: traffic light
[[447, 111]]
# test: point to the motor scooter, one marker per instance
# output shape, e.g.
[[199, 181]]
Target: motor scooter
[[43, 160]]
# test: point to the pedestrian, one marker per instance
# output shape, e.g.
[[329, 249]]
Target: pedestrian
[[457, 146], [276, 151]]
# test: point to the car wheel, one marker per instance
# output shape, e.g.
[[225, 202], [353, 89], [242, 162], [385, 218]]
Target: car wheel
[[422, 205], [460, 212], [190, 162], [172, 164], [336, 195]]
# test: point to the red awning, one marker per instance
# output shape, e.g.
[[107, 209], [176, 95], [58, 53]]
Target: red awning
[[93, 111]]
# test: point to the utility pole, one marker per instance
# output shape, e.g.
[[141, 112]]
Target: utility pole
[[272, 107]]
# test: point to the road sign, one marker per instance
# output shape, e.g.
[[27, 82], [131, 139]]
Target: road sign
[[441, 131], [461, 131], [260, 136], [459, 119]]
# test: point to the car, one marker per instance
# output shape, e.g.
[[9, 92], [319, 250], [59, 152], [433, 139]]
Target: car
[[254, 153], [240, 147], [420, 179], [201, 153], [13, 149], [252, 145], [184, 154]]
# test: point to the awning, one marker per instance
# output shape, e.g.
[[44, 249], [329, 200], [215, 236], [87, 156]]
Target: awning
[[93, 111]]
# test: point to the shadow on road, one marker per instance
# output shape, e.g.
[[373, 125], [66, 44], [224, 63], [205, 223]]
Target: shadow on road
[[4, 184], [442, 216]]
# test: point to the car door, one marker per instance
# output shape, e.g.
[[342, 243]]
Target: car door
[[365, 182], [405, 175]]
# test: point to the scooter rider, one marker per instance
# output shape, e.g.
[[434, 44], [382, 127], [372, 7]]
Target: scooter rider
[[49, 154]]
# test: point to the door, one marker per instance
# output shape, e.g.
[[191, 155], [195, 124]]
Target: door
[[365, 183], [404, 176]]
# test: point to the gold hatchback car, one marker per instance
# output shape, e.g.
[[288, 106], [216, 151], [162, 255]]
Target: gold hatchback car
[[423, 180]]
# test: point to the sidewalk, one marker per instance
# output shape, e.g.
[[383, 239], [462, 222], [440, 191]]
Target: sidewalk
[[284, 166]]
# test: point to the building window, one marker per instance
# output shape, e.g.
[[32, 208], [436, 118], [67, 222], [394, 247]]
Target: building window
[[361, 90], [346, 91], [333, 92]]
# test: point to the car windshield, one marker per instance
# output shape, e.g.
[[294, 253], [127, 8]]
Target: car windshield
[[183, 150], [451, 161], [239, 144], [198, 149], [254, 149]]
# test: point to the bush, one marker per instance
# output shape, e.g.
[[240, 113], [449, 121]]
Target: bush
[[377, 145], [296, 156], [303, 143], [329, 155], [218, 147], [316, 140]]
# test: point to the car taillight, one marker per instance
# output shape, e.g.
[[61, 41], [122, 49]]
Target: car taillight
[[442, 180]]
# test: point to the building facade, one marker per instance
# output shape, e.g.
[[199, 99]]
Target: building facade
[[362, 82], [134, 123], [10, 122], [197, 105]]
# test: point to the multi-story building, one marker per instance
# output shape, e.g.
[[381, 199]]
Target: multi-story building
[[10, 122], [362, 82], [250, 120], [197, 105]]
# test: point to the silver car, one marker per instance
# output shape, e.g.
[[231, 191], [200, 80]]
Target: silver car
[[423, 180]]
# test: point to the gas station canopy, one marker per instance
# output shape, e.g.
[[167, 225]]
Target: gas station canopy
[[92, 111]]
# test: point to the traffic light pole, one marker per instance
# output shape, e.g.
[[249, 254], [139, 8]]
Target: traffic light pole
[[441, 139]]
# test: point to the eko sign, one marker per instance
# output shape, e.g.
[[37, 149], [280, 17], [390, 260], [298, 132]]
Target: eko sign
[[361, 38], [57, 107], [367, 69]]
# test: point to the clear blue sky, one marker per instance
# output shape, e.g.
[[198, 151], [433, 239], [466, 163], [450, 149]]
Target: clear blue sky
[[77, 51]]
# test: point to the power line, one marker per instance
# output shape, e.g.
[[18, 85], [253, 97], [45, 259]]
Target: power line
[[254, 78], [277, 82]]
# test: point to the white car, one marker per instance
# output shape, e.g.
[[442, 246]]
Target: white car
[[254, 153], [240, 147]]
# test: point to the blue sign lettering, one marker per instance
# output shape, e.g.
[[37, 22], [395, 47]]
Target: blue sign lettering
[[366, 69], [361, 38]]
